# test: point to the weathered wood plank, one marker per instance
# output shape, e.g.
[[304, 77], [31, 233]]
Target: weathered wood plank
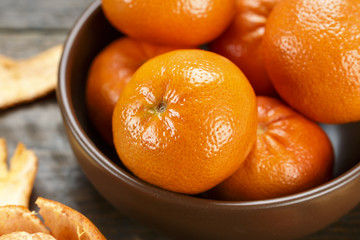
[[22, 44], [40, 14]]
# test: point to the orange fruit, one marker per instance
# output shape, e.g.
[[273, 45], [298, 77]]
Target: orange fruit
[[291, 154], [109, 73], [17, 222], [312, 55], [242, 42], [171, 22], [185, 121]]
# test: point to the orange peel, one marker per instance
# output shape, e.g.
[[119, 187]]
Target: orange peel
[[28, 79], [27, 236], [60, 222], [19, 218], [66, 223], [17, 178]]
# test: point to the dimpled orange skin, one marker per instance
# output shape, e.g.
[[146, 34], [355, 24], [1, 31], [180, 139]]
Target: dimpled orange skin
[[110, 71], [291, 154], [312, 55], [185, 121], [242, 42], [171, 22]]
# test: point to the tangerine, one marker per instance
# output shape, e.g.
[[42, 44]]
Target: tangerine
[[242, 42], [312, 55], [110, 71], [291, 154], [185, 121], [170, 22]]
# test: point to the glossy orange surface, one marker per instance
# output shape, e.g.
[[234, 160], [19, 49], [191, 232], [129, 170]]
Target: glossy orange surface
[[111, 70], [171, 22], [185, 121], [312, 55], [242, 42], [291, 154]]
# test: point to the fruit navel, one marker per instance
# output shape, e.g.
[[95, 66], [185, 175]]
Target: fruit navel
[[161, 107], [261, 130]]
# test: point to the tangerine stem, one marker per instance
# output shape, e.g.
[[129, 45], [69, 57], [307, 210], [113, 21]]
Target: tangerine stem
[[261, 129], [161, 107]]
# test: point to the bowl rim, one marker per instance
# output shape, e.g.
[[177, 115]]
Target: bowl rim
[[69, 117]]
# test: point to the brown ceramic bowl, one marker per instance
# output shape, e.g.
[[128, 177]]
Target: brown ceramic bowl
[[192, 217]]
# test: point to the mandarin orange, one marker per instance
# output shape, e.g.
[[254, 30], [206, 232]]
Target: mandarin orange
[[185, 121], [242, 42], [109, 73], [170, 22], [291, 154], [312, 55]]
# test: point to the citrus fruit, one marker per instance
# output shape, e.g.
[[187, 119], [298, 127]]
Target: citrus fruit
[[109, 73], [291, 154], [171, 22], [185, 121], [312, 55], [242, 42]]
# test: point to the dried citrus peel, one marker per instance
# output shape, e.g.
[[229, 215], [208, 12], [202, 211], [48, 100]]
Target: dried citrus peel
[[26, 80], [17, 178]]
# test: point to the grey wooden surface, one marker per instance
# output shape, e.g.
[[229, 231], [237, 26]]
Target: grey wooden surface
[[30, 26]]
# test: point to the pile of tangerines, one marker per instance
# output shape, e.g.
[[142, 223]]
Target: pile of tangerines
[[237, 121]]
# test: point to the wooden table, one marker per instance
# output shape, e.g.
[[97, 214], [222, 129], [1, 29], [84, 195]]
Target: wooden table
[[30, 26]]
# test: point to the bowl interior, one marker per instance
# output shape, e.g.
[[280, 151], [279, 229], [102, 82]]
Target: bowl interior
[[92, 37], [97, 33]]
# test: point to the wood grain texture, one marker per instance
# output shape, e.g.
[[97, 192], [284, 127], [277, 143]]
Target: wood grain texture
[[40, 14], [23, 44], [30, 26]]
